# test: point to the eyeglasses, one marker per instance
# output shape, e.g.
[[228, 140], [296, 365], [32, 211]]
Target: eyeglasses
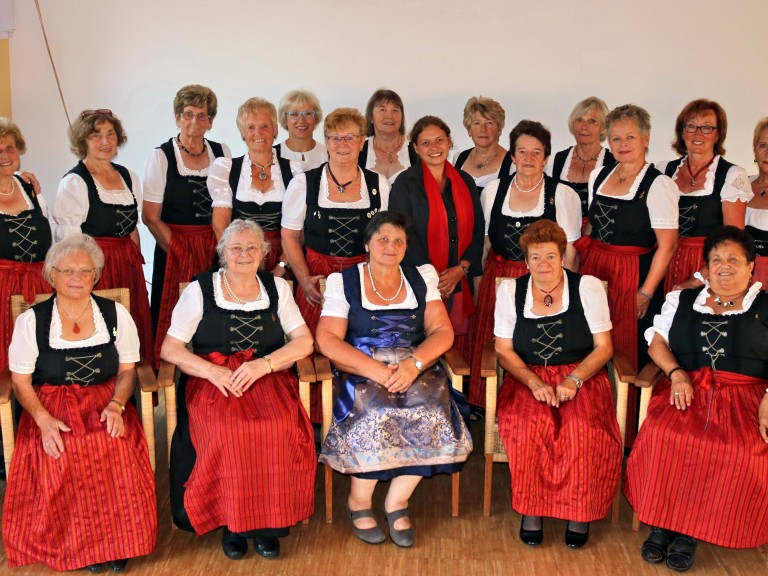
[[306, 114], [349, 138], [100, 112], [189, 116], [238, 250], [69, 273], [706, 129]]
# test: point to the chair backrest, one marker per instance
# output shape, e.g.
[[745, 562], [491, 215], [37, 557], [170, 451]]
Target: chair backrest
[[20, 305]]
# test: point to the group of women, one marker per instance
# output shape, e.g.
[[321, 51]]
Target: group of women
[[396, 254]]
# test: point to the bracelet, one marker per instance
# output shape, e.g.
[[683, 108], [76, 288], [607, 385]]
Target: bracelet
[[579, 381], [122, 406], [643, 294], [675, 369], [464, 269], [268, 360], [766, 390]]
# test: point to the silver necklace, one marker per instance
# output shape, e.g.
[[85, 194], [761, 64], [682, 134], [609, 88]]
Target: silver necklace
[[514, 181], [726, 303], [263, 173], [234, 297], [376, 291], [482, 165]]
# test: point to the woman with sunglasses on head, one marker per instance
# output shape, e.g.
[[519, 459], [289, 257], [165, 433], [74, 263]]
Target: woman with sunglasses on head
[[713, 191], [177, 206], [299, 114], [103, 199]]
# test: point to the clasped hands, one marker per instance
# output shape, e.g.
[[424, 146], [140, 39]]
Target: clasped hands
[[237, 382], [545, 393], [397, 377]]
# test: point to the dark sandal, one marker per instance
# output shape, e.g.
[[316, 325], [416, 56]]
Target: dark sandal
[[654, 548], [681, 553], [405, 537], [374, 535]]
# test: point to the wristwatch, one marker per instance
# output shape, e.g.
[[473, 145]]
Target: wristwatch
[[417, 363]]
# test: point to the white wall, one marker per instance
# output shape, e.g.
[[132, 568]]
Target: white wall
[[537, 59]]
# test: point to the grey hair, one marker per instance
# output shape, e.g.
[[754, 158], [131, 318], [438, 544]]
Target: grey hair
[[235, 227], [70, 245], [587, 105], [630, 112]]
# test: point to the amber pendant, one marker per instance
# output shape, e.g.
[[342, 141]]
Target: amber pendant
[[547, 300], [76, 329]]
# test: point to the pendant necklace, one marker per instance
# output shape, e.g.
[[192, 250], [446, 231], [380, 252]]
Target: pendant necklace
[[692, 181], [584, 160], [727, 303], [342, 188], [75, 328], [548, 297], [481, 165], [376, 291], [193, 154], [390, 155], [263, 173], [514, 181]]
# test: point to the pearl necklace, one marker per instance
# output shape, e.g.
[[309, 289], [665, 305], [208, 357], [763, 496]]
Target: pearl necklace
[[232, 296], [193, 154], [514, 181], [376, 291], [13, 188]]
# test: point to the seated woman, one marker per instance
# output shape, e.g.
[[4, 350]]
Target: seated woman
[[239, 404], [383, 326], [553, 335], [699, 469], [77, 497]]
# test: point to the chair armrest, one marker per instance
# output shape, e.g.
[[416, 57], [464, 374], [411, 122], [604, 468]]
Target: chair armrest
[[456, 362], [166, 376], [624, 368], [647, 375], [305, 367], [323, 370], [6, 386], [146, 376], [488, 360]]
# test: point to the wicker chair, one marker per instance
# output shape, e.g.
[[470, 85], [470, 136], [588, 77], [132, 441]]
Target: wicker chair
[[455, 367], [145, 375], [620, 373]]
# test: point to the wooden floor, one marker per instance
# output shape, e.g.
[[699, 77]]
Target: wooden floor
[[468, 545]]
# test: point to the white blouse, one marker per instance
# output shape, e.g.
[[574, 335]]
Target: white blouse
[[593, 299], [189, 309], [662, 323], [757, 217], [736, 187], [23, 351], [485, 179], [156, 170], [567, 165], [28, 201], [337, 305], [663, 197], [402, 157], [312, 158], [567, 205], [70, 206], [295, 199], [221, 192]]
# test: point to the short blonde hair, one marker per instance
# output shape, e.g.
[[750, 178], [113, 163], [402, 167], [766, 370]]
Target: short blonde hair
[[487, 107], [86, 124], [236, 227], [298, 98], [342, 116], [71, 244], [10, 130], [761, 125], [587, 105], [252, 106], [197, 96]]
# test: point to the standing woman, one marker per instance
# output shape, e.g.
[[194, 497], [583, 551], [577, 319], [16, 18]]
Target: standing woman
[[510, 206], [299, 114], [177, 206], [487, 160], [330, 206], [25, 234], [448, 221], [633, 233], [386, 150], [252, 187], [103, 199], [573, 165], [757, 209], [713, 191]]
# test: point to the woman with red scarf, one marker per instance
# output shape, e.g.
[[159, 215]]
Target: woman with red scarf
[[447, 219]]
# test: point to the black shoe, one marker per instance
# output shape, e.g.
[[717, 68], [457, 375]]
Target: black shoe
[[267, 547], [576, 539], [233, 545], [118, 565], [681, 553], [654, 548], [531, 537], [94, 568]]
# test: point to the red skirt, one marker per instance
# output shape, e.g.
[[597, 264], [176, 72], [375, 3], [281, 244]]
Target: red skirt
[[190, 252], [760, 273], [703, 472], [686, 260], [94, 504], [482, 328], [256, 459], [123, 269], [275, 250], [565, 462], [17, 278]]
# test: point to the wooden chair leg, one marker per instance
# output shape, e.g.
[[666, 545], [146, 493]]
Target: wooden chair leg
[[488, 486], [148, 421], [170, 415], [328, 494], [455, 478], [615, 506], [6, 418], [635, 522]]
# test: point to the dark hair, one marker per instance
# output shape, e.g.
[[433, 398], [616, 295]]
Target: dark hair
[[197, 96], [396, 219], [425, 122], [723, 234], [692, 109], [534, 130], [541, 232], [83, 127], [382, 96]]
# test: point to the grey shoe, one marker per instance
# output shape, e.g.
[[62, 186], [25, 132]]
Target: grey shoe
[[403, 538], [373, 535]]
